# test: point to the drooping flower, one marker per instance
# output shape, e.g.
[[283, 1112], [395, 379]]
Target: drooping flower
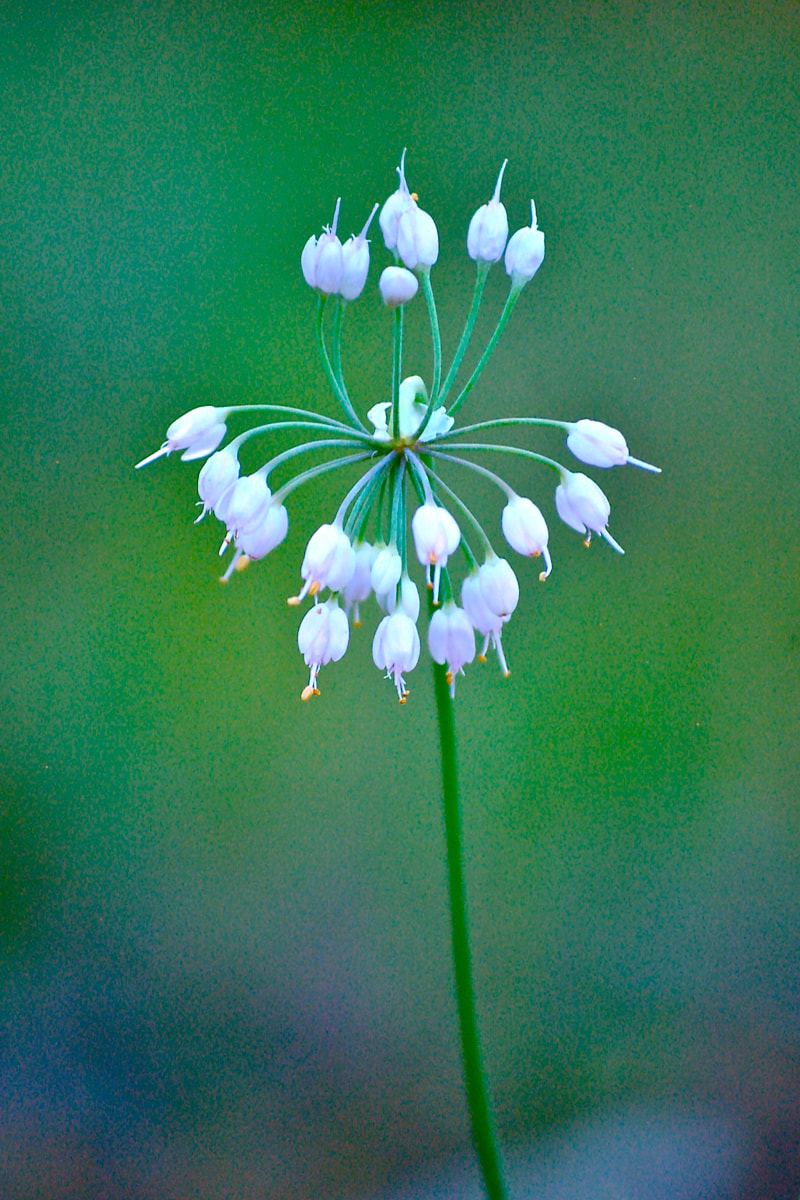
[[436, 537], [322, 638], [218, 474], [525, 530], [329, 562], [196, 433], [358, 589], [395, 648], [451, 640], [600, 445], [584, 507]]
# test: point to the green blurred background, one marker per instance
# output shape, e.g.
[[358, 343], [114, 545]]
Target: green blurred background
[[225, 959]]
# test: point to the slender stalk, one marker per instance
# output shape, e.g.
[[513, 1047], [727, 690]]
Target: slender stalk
[[397, 367], [482, 1129], [425, 276], [480, 283], [338, 390], [511, 300]]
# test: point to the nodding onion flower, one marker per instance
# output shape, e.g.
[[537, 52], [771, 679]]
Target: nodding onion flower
[[409, 453]]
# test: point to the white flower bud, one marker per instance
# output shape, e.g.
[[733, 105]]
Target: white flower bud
[[436, 537], [417, 237], [329, 562], [321, 259], [395, 648], [451, 640], [584, 507], [499, 587], [355, 263], [525, 252], [397, 286], [322, 638], [218, 474], [197, 433], [394, 208], [488, 230], [599, 445], [525, 530]]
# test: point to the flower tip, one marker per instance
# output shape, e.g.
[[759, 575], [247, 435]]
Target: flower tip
[[496, 196], [152, 457]]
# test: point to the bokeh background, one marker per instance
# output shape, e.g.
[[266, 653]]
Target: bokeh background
[[225, 958]]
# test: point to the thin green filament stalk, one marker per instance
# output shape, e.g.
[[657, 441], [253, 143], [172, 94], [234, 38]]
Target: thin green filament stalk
[[482, 1129]]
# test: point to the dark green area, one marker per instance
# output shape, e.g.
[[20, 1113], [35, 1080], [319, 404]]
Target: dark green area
[[225, 965]]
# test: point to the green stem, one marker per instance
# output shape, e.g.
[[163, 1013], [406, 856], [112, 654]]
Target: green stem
[[482, 1130], [513, 297], [480, 283], [425, 276], [338, 390]]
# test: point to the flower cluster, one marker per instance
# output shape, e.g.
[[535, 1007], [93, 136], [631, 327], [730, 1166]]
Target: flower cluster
[[403, 446]]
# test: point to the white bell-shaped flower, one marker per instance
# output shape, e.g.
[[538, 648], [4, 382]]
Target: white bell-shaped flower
[[219, 473], [397, 286], [489, 596], [321, 259], [451, 640], [358, 589], [436, 537], [395, 648], [243, 505], [322, 638], [196, 433], [584, 507], [525, 252], [329, 562], [488, 230], [355, 263], [525, 530], [261, 537], [600, 445]]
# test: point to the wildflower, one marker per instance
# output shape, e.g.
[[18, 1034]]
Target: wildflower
[[329, 562], [218, 474], [436, 536], [490, 595], [355, 263], [583, 506], [395, 648], [322, 638], [321, 259], [197, 433], [525, 530], [451, 640], [599, 445], [488, 229], [525, 252], [403, 444]]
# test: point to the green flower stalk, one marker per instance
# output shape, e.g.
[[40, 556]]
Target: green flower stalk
[[409, 452]]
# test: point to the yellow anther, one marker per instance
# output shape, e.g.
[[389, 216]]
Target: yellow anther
[[587, 543], [481, 658], [312, 591], [293, 601], [542, 576], [449, 677], [243, 562], [415, 197], [309, 691]]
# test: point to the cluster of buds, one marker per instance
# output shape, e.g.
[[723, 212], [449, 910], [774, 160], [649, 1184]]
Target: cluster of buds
[[405, 448]]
